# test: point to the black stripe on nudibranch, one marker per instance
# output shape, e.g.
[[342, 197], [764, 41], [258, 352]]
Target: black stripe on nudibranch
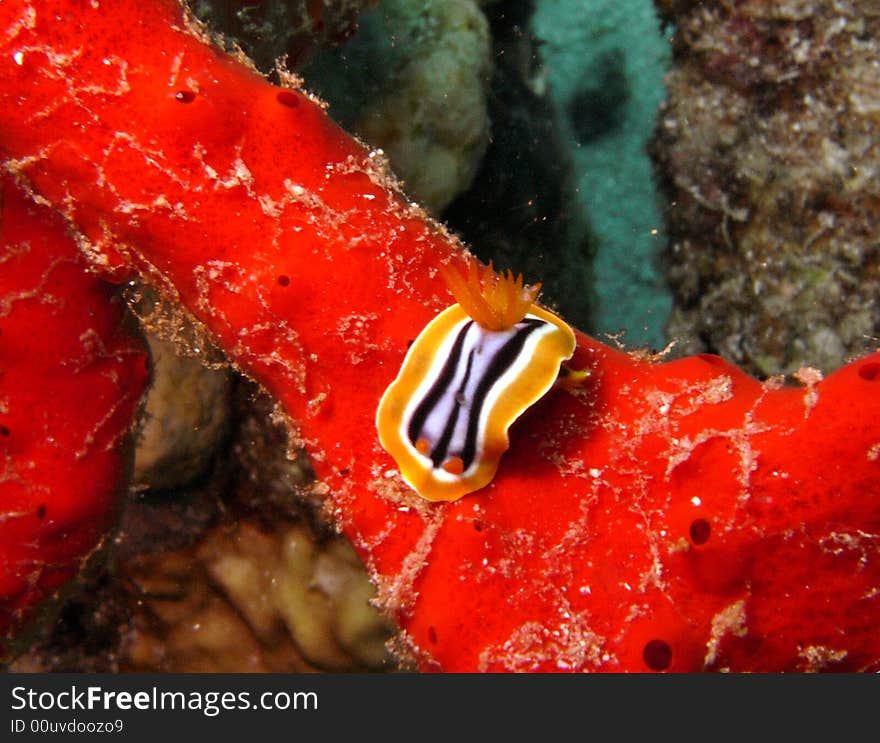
[[502, 361], [441, 448], [491, 372], [432, 398]]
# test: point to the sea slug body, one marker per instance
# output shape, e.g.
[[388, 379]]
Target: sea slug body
[[445, 417]]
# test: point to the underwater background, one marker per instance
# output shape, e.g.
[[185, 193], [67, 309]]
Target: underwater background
[[700, 174]]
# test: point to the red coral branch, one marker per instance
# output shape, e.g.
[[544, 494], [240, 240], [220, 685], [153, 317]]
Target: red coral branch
[[668, 516], [71, 376]]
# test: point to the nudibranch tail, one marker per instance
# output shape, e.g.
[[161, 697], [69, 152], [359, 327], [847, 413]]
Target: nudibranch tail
[[466, 378], [494, 301]]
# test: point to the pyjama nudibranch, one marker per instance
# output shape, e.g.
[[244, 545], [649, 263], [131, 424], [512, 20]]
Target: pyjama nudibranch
[[467, 377]]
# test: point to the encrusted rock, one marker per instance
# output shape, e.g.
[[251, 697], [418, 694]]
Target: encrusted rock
[[253, 598], [768, 145], [185, 420], [316, 590], [431, 116]]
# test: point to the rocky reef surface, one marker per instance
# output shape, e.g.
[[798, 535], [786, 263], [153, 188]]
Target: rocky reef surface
[[768, 146]]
